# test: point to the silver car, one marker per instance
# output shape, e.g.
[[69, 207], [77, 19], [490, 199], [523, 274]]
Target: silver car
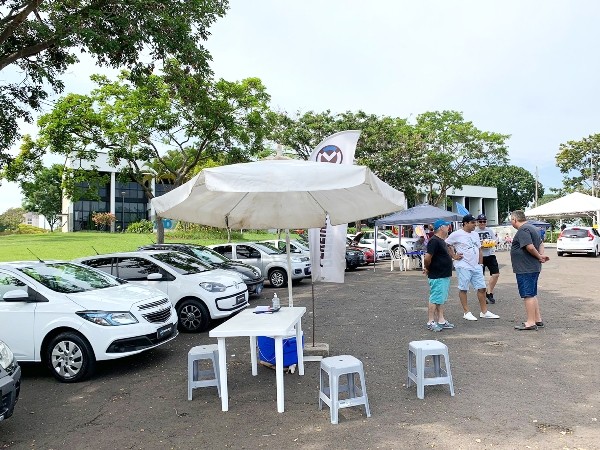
[[271, 261]]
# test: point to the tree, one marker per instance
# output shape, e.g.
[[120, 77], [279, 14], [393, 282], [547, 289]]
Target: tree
[[43, 194], [579, 161], [11, 218], [160, 125], [515, 185], [39, 38]]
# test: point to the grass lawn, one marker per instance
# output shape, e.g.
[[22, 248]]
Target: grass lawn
[[74, 245]]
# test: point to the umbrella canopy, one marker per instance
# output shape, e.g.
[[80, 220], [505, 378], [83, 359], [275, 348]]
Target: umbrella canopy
[[571, 205], [279, 194], [420, 214]]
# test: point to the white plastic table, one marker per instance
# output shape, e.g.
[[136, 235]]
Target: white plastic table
[[277, 325]]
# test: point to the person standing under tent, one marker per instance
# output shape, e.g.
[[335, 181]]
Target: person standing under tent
[[438, 268], [465, 249], [487, 237]]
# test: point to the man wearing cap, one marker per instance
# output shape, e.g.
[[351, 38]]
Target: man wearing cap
[[438, 268], [487, 235], [465, 248]]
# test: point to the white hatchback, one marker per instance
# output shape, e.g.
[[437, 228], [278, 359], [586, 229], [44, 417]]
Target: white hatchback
[[198, 291], [69, 316], [578, 240]]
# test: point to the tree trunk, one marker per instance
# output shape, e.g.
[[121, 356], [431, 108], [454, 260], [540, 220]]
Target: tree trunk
[[160, 231]]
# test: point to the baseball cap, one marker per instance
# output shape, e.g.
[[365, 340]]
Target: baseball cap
[[468, 218], [439, 223], [481, 217]]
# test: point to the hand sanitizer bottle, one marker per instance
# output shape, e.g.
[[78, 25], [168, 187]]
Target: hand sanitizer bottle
[[276, 304]]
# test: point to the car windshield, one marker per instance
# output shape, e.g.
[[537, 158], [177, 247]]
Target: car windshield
[[575, 233], [302, 246], [267, 248], [69, 278], [182, 263], [208, 255]]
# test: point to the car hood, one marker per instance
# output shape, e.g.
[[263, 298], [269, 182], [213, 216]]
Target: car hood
[[225, 277], [115, 298], [246, 269]]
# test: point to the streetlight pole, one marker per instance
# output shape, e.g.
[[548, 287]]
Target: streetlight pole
[[123, 211]]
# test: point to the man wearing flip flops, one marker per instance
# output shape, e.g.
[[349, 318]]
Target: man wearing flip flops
[[465, 248], [527, 257]]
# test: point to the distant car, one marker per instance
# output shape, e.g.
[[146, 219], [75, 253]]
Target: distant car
[[198, 291], [69, 316], [369, 253], [270, 260], [354, 258], [10, 381], [388, 240], [249, 274], [578, 240], [358, 241]]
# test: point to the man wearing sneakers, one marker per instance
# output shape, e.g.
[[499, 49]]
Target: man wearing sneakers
[[489, 259], [438, 268], [464, 247]]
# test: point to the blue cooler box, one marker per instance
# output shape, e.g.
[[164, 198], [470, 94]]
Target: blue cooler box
[[266, 350]]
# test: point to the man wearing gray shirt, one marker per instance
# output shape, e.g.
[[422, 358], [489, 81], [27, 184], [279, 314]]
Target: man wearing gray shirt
[[527, 257]]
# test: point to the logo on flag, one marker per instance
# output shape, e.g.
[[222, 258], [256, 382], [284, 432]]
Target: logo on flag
[[330, 153]]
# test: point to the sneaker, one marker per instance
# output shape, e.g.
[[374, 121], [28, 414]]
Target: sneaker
[[446, 325], [469, 316], [490, 298], [488, 315], [433, 326]]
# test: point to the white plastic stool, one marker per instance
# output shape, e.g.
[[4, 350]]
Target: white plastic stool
[[198, 378], [420, 350], [335, 366]]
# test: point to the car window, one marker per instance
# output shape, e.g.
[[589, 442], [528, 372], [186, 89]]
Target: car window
[[182, 263], [208, 255], [225, 250], [103, 264], [136, 269], [575, 233], [247, 252], [267, 248], [10, 283], [69, 278]]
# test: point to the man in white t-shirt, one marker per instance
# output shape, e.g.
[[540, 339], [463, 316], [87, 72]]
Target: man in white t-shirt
[[465, 249]]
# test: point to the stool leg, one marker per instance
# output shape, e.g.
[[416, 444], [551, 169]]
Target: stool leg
[[410, 368], [436, 366], [320, 388], [190, 378], [215, 363], [420, 360], [449, 374], [334, 385], [351, 385], [363, 389]]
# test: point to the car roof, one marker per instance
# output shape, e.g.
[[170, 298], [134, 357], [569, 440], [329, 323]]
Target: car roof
[[134, 253]]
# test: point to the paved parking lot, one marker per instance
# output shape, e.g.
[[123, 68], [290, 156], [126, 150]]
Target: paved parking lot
[[534, 389]]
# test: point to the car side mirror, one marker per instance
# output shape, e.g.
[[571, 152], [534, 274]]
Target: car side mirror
[[155, 276], [16, 295]]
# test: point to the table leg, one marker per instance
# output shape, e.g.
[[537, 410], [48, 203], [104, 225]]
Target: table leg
[[253, 355], [299, 348], [223, 374], [279, 371]]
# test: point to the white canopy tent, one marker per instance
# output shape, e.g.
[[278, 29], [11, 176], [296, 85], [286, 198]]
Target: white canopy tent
[[571, 205]]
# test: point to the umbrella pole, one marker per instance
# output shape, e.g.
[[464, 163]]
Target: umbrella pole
[[289, 266], [312, 285]]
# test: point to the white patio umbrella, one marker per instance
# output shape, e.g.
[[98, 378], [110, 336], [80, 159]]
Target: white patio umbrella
[[279, 194]]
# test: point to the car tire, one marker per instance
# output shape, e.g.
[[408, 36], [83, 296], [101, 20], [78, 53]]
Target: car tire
[[278, 278], [559, 253], [594, 254], [192, 316], [70, 357]]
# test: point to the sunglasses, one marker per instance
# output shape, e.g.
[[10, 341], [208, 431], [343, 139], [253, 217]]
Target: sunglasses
[[482, 221]]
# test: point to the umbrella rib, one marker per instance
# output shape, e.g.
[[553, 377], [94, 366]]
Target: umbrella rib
[[234, 206]]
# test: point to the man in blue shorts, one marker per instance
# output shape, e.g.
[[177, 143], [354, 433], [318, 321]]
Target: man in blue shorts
[[438, 268], [527, 257], [465, 248]]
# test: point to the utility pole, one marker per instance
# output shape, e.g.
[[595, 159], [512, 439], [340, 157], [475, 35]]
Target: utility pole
[[536, 186]]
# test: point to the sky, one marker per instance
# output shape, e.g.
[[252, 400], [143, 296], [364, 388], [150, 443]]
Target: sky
[[526, 68]]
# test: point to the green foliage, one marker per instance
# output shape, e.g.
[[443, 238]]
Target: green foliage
[[40, 39], [43, 194], [142, 227], [11, 218], [23, 228], [579, 161], [103, 220], [515, 185]]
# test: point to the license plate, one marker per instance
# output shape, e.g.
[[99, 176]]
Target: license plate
[[164, 331], [240, 299]]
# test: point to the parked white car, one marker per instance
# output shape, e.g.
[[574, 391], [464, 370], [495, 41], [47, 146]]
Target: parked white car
[[296, 247], [198, 291], [70, 316], [388, 240], [578, 240], [270, 261]]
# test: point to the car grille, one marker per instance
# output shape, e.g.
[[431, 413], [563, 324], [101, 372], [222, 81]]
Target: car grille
[[162, 301], [158, 316]]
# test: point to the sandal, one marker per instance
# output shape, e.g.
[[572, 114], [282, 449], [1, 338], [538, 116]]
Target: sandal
[[522, 327]]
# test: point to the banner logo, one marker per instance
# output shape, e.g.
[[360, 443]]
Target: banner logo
[[330, 154]]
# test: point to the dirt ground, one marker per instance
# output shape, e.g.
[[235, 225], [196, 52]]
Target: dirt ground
[[514, 389]]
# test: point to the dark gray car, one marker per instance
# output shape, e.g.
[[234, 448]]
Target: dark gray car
[[10, 382]]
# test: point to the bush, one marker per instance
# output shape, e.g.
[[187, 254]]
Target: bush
[[142, 227], [29, 229], [103, 220]]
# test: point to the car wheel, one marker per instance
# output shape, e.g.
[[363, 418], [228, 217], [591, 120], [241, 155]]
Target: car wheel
[[70, 357], [192, 316], [594, 254], [350, 267], [277, 278], [559, 253]]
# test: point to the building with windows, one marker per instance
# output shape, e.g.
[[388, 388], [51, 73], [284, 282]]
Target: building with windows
[[126, 200]]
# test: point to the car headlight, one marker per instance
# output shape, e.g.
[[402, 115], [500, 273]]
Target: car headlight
[[6, 356], [107, 318], [213, 287], [244, 277], [296, 260]]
